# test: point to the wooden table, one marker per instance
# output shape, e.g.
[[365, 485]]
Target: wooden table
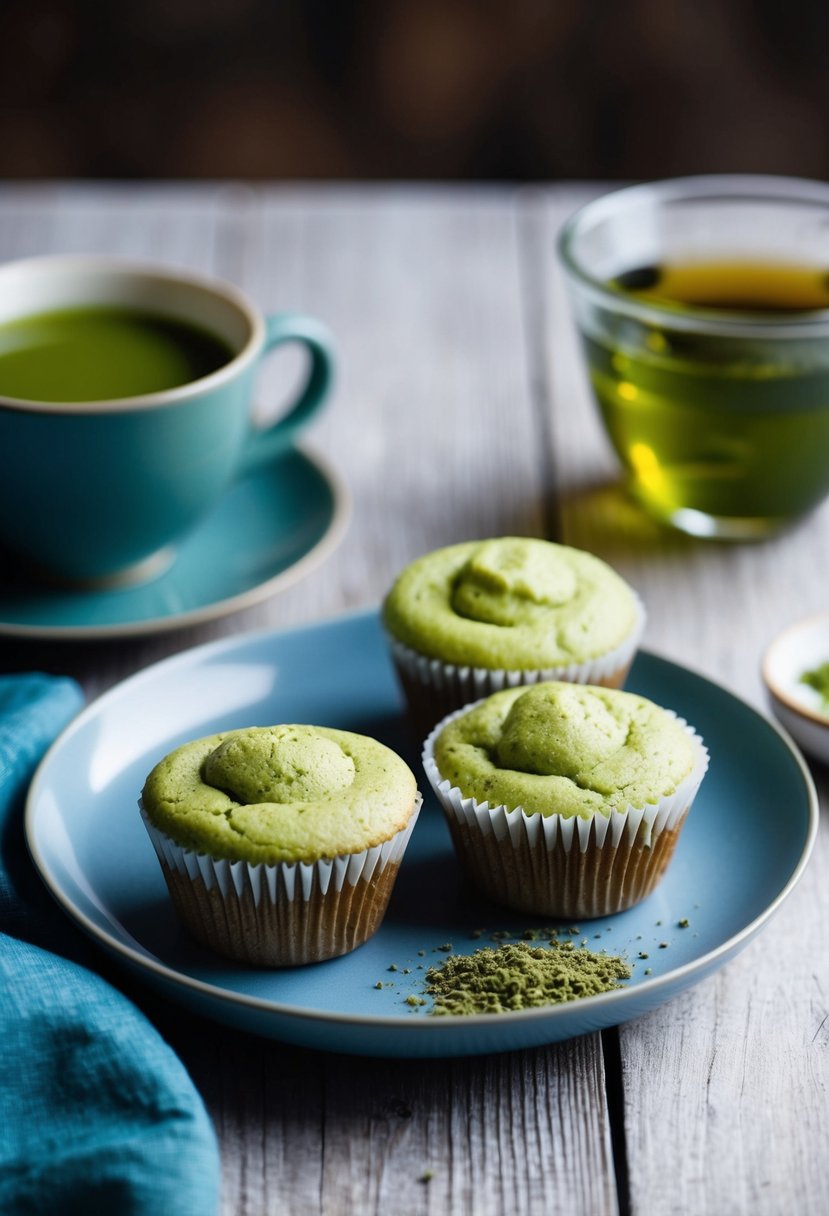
[[462, 411]]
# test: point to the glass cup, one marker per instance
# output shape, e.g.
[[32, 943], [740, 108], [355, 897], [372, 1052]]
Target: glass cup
[[718, 408]]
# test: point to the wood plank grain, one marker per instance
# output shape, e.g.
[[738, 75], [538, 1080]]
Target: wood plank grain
[[435, 427], [431, 424], [311, 1133], [725, 1088]]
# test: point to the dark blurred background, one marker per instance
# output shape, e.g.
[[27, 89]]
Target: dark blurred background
[[511, 90]]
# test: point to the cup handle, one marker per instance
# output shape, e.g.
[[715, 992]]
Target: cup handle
[[264, 445]]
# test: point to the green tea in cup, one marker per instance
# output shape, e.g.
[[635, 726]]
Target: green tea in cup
[[103, 353], [128, 395], [703, 308]]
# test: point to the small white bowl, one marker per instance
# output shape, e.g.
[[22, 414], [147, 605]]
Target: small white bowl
[[802, 647]]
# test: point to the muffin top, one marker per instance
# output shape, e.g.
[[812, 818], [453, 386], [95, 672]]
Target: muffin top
[[565, 749], [510, 603], [280, 794]]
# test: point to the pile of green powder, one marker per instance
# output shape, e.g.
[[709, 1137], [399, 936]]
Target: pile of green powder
[[521, 976], [818, 679]]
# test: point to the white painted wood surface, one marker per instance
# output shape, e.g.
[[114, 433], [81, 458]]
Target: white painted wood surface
[[461, 410]]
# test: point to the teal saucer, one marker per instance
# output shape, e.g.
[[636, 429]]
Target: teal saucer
[[269, 530]]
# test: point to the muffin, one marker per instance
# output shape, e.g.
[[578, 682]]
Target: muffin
[[471, 619], [280, 845], [565, 800]]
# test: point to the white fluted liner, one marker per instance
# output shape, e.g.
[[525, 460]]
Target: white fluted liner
[[282, 881], [565, 866], [567, 830], [464, 684]]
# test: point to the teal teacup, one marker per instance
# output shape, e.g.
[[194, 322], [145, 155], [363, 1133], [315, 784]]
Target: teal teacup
[[126, 395]]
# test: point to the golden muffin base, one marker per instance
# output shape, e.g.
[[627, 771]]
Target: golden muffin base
[[281, 915], [560, 866], [561, 884], [287, 932]]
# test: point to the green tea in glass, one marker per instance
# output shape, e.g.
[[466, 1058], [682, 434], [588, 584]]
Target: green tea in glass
[[703, 309]]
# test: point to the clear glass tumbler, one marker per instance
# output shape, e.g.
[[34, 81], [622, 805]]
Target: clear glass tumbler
[[703, 308]]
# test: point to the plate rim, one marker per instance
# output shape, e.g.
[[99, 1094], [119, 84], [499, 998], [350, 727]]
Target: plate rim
[[445, 1024], [335, 530]]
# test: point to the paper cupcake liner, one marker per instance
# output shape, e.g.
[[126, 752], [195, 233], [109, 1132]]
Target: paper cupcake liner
[[565, 866], [434, 688], [285, 914]]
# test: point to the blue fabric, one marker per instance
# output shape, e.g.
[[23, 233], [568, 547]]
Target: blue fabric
[[97, 1114]]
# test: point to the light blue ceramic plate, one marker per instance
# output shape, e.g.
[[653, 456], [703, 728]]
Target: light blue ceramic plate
[[270, 529], [737, 859]]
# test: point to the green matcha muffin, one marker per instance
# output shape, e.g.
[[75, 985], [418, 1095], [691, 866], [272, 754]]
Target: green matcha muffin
[[565, 800], [474, 618], [280, 845]]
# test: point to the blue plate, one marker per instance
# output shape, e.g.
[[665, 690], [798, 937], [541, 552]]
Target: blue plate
[[737, 859], [270, 528]]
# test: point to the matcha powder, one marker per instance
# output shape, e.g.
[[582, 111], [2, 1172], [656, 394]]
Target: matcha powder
[[819, 680], [520, 976]]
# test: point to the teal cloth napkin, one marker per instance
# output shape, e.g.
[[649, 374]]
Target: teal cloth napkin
[[97, 1114]]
